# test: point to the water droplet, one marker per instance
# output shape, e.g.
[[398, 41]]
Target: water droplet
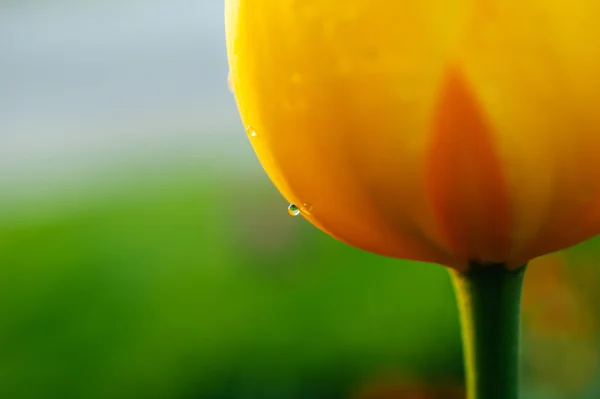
[[230, 82], [293, 210], [251, 132], [306, 208]]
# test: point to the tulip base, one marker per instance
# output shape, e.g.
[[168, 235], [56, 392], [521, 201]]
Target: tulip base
[[489, 300]]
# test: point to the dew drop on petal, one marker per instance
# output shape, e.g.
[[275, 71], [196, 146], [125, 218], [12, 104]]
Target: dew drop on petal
[[230, 82], [293, 210], [306, 208], [250, 131]]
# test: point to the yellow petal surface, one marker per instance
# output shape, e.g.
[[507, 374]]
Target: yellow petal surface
[[535, 65], [339, 96], [442, 131]]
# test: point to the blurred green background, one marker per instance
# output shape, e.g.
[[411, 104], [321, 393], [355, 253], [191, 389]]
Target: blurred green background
[[144, 253]]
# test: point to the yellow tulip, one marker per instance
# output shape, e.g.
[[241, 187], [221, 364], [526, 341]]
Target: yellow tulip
[[445, 131]]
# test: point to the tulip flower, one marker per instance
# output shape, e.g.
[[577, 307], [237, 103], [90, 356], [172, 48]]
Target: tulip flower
[[463, 133]]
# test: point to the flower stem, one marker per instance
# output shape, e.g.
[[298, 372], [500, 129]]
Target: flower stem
[[489, 300]]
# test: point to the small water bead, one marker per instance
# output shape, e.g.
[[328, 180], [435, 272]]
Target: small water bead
[[230, 82], [293, 210], [306, 208], [251, 132]]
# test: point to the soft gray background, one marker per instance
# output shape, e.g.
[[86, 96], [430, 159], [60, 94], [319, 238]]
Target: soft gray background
[[86, 84]]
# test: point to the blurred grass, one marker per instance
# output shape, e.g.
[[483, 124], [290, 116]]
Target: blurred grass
[[188, 286]]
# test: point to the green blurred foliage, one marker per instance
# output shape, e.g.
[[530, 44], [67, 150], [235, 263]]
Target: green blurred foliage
[[175, 283], [188, 286]]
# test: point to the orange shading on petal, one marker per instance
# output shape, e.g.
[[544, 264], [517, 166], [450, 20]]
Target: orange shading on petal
[[465, 181]]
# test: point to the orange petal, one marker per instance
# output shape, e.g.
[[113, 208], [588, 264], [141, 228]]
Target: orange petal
[[341, 113], [466, 184], [534, 66]]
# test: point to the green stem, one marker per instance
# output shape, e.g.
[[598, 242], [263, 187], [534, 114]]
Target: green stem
[[489, 300]]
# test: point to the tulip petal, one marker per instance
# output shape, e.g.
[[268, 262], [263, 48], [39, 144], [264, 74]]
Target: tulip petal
[[342, 96], [534, 66], [342, 113], [466, 182]]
